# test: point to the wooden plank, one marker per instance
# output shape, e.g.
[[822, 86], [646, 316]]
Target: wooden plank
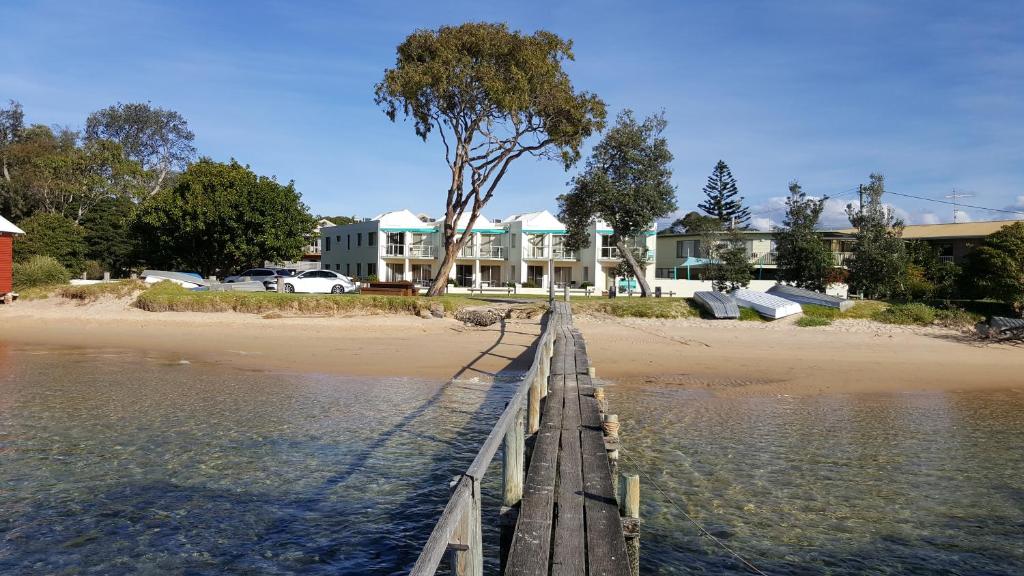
[[606, 545], [569, 555], [531, 544]]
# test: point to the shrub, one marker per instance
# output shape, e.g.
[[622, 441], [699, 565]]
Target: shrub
[[94, 270], [812, 321], [92, 292], [956, 317], [39, 271], [55, 236], [905, 314], [751, 315]]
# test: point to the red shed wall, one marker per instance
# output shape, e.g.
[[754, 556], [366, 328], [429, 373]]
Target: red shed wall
[[6, 257]]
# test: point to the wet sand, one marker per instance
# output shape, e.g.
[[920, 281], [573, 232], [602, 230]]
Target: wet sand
[[358, 346], [744, 358]]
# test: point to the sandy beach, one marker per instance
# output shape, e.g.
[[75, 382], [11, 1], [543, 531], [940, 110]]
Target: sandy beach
[[729, 357], [739, 358], [360, 345]]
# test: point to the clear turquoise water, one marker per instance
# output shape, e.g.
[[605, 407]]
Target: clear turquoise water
[[123, 464], [916, 483]]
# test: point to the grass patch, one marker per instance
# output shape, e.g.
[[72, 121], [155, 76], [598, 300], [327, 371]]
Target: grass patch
[[169, 297], [751, 315], [636, 307], [93, 292], [812, 321], [907, 314]]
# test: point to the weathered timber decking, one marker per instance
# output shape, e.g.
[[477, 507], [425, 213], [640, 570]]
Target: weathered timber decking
[[569, 520]]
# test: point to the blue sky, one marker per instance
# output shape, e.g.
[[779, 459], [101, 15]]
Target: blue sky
[[928, 93]]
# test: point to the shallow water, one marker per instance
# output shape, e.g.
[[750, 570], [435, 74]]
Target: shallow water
[[121, 464], [916, 483]]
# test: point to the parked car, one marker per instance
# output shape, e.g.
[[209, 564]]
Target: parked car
[[268, 276], [320, 282]]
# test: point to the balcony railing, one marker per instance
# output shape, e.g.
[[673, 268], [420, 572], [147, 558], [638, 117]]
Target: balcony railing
[[841, 258], [610, 252], [766, 259], [564, 254], [468, 251], [536, 252], [422, 251], [492, 252], [946, 259], [394, 250]]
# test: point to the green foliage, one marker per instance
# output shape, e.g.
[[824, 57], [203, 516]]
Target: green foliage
[[169, 297], [219, 218], [913, 313], [109, 236], [803, 259], [997, 267], [627, 183], [927, 276], [878, 266], [340, 220], [51, 235], [723, 201], [158, 140], [493, 95], [730, 267], [93, 292], [696, 223], [39, 271], [667, 308], [751, 315], [812, 321]]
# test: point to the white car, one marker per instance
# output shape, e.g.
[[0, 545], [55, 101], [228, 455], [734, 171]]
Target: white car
[[319, 282]]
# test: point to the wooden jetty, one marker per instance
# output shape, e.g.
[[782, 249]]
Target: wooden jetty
[[560, 510]]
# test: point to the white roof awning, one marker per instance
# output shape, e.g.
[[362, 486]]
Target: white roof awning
[[8, 227]]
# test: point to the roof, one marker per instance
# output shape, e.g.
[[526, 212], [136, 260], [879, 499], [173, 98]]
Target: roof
[[7, 227], [538, 221], [740, 232], [958, 230], [401, 220]]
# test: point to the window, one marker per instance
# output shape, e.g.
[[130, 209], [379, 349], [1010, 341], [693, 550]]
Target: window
[[371, 238], [359, 269], [327, 244], [687, 248], [348, 242], [512, 240], [359, 239], [421, 274], [337, 267], [348, 269], [535, 275], [513, 277], [371, 269], [586, 273], [491, 275]]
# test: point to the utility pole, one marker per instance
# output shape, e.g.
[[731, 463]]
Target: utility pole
[[860, 204], [954, 197]]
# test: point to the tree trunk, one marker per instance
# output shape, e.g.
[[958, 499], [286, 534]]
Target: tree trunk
[[159, 182], [441, 280], [638, 272], [7, 174]]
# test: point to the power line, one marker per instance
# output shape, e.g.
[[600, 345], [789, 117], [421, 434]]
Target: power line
[[746, 563], [955, 203]]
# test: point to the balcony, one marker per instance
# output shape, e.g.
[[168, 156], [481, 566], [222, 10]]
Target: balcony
[[610, 253], [766, 259], [492, 252], [946, 259], [395, 250], [422, 251], [841, 258], [564, 254], [536, 252]]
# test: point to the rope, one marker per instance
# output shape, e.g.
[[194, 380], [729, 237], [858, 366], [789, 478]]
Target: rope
[[750, 566]]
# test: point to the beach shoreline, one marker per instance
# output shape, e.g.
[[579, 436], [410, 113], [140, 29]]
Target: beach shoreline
[[725, 357]]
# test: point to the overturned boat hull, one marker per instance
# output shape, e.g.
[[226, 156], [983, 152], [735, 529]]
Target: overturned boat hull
[[720, 305], [802, 296], [765, 304]]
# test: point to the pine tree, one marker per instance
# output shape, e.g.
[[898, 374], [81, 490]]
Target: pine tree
[[879, 262], [803, 258], [723, 199]]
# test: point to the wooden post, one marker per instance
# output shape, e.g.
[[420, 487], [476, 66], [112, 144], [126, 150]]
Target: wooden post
[[512, 462], [629, 489], [280, 285], [592, 371], [106, 276], [533, 413], [629, 507], [466, 555], [566, 289]]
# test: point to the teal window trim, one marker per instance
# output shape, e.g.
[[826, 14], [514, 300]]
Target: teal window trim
[[558, 232], [419, 230]]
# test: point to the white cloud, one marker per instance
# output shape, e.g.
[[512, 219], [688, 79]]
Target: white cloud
[[928, 218], [762, 223]]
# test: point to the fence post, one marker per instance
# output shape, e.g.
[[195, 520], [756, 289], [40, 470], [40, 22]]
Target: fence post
[[512, 462], [476, 536], [533, 412], [466, 554], [629, 507]]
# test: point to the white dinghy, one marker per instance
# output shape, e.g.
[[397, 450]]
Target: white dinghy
[[765, 304]]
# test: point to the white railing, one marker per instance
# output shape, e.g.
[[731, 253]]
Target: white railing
[[609, 252], [394, 250], [468, 251], [841, 258], [422, 251], [945, 259], [536, 252], [564, 254], [492, 252], [766, 259]]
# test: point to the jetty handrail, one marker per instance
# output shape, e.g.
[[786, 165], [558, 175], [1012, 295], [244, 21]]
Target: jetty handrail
[[458, 529]]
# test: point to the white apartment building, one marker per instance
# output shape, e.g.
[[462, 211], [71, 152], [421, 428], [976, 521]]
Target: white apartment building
[[519, 249]]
